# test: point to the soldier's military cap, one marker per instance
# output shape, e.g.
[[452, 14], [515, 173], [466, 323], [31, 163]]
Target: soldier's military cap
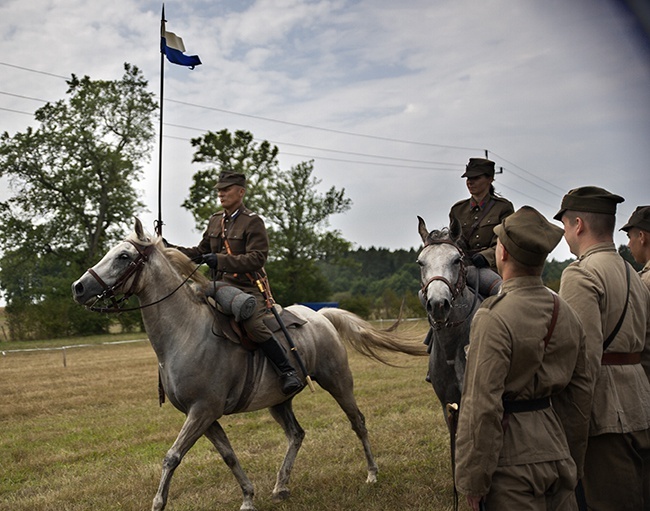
[[478, 167], [639, 219], [228, 178], [590, 199], [528, 236]]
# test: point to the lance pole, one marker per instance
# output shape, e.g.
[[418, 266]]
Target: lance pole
[[159, 222]]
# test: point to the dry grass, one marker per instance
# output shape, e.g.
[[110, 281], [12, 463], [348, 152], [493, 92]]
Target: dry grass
[[92, 436]]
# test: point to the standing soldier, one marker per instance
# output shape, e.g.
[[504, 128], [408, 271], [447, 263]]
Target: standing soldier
[[524, 411], [235, 246], [638, 233], [614, 306]]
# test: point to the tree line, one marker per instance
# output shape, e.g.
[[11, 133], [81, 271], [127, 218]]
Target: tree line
[[72, 182]]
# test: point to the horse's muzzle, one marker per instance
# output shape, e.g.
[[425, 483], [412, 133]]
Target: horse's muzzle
[[439, 310], [83, 293]]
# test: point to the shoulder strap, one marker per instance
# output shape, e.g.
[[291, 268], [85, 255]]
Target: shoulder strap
[[611, 336], [556, 303]]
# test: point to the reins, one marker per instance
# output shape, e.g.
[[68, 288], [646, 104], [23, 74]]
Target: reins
[[134, 269]]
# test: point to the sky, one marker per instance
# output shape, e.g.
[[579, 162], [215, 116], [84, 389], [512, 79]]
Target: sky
[[389, 99]]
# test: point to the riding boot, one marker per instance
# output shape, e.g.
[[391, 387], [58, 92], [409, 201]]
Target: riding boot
[[289, 380]]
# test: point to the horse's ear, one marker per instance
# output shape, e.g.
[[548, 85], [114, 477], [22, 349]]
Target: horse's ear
[[454, 230], [422, 229], [139, 231]]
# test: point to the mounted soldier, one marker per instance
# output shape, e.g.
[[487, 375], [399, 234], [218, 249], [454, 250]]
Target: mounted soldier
[[235, 246]]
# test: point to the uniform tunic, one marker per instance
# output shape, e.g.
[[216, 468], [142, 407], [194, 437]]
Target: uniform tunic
[[249, 243], [482, 241], [595, 287], [645, 274], [507, 359]]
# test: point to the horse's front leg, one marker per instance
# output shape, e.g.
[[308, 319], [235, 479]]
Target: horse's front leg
[[194, 427], [219, 439], [283, 414]]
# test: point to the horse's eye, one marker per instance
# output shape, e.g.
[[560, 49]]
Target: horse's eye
[[124, 256], [419, 262]]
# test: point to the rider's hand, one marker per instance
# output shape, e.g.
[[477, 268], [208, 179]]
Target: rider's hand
[[210, 260], [479, 261]]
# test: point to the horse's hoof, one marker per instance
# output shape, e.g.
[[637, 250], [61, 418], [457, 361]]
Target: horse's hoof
[[372, 478], [281, 495]]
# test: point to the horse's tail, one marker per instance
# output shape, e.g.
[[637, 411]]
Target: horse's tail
[[369, 340]]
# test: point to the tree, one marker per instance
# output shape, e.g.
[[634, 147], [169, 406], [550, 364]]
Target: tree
[[298, 219], [72, 194], [296, 215], [225, 152]]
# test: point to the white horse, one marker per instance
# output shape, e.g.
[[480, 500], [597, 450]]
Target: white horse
[[450, 307], [205, 375]]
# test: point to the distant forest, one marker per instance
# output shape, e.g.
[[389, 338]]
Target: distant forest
[[377, 282]]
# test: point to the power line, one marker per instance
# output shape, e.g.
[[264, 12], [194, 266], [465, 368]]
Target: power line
[[340, 160], [307, 126], [352, 153], [330, 130], [531, 174], [34, 70], [22, 97], [31, 114], [526, 195]]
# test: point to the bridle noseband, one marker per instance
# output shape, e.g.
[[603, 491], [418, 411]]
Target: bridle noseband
[[134, 269]]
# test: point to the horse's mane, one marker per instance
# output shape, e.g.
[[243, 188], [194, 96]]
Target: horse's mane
[[438, 235], [184, 265], [179, 261], [445, 234]]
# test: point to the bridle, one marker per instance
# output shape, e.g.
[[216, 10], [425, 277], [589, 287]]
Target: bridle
[[456, 288], [134, 269]]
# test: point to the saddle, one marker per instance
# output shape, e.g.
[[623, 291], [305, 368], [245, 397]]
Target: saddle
[[231, 329]]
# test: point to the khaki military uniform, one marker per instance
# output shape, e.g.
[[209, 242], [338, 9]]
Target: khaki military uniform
[[249, 243], [645, 274], [617, 466], [530, 459], [482, 240]]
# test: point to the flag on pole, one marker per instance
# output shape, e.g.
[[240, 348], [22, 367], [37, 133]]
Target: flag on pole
[[172, 46]]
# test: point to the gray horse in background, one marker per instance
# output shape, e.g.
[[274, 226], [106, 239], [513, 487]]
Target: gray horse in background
[[206, 375], [450, 306]]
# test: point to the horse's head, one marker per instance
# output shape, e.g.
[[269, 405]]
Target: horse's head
[[442, 272], [118, 271]]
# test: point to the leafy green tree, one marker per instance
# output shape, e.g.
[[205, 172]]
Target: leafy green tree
[[238, 152], [72, 196], [296, 215]]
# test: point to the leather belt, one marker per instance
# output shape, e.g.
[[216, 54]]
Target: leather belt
[[526, 405], [620, 359]]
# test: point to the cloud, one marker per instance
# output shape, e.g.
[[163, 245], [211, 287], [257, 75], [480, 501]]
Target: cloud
[[558, 92]]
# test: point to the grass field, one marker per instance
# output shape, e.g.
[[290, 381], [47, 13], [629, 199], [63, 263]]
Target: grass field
[[92, 436]]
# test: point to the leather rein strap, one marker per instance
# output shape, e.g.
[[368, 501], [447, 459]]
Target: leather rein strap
[[134, 269]]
